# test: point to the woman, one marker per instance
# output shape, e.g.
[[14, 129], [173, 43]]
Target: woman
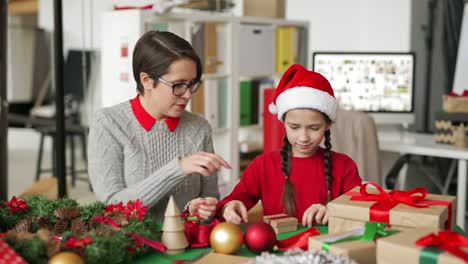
[[150, 147]]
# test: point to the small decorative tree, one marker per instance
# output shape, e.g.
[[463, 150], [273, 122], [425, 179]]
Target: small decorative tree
[[173, 235]]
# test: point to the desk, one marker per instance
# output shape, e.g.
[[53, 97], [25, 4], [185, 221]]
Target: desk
[[424, 144]]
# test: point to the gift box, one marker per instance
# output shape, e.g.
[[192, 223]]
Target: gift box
[[8, 255], [451, 128], [401, 210], [358, 244], [423, 246], [455, 104], [281, 223]]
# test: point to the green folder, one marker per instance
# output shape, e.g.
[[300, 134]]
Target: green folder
[[245, 103]]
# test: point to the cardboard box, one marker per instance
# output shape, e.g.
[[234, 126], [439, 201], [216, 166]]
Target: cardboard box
[[212, 258], [265, 8], [281, 223], [401, 248], [362, 252], [346, 215]]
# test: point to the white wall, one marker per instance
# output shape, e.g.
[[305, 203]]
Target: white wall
[[20, 53], [357, 25], [81, 20], [461, 78]]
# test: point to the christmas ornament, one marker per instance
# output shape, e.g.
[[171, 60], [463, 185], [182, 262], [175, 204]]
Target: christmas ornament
[[226, 238], [260, 237], [66, 258]]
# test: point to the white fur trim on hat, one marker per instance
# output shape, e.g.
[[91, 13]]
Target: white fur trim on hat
[[273, 108], [306, 97]]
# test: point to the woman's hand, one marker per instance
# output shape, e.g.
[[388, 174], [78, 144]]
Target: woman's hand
[[204, 163], [204, 207], [235, 212], [316, 213]]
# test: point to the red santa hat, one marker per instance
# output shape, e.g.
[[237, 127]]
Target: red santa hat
[[301, 88]]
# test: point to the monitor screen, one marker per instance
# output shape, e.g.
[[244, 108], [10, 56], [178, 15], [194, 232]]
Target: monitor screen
[[371, 82]]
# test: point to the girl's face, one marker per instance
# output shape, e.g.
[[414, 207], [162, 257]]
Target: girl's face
[[305, 129], [161, 98]]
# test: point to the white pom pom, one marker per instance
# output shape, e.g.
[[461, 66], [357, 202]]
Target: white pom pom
[[273, 108]]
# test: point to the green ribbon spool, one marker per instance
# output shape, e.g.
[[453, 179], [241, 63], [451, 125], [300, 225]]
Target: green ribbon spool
[[429, 255], [372, 231]]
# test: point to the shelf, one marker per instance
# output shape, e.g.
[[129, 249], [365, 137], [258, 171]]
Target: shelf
[[220, 130], [250, 146], [210, 76], [252, 127]]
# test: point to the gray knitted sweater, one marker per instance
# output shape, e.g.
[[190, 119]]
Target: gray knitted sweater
[[126, 162]]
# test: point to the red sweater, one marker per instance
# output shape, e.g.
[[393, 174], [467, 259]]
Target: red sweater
[[264, 180]]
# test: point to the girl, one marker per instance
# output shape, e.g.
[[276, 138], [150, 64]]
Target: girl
[[149, 148], [302, 177]]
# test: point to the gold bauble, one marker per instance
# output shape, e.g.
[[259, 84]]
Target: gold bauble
[[66, 258], [226, 238]]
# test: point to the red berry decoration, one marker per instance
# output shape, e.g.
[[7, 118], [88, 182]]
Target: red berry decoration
[[260, 237]]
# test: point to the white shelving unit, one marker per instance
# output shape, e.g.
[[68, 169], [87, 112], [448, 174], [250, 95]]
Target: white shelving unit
[[125, 27]]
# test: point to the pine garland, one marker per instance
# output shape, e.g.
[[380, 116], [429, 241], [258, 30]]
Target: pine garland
[[99, 233]]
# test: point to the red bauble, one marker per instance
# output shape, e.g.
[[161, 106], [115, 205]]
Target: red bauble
[[260, 237]]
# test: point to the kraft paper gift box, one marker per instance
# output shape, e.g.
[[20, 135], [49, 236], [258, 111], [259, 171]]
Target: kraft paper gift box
[[402, 248], [281, 223], [348, 212], [358, 244]]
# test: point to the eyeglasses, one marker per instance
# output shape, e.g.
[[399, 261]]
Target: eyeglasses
[[180, 88]]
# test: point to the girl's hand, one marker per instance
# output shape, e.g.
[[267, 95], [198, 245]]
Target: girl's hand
[[204, 163], [235, 212], [316, 213], [204, 207]]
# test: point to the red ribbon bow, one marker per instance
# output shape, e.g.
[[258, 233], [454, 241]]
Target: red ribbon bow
[[447, 241], [300, 240], [198, 235], [380, 211]]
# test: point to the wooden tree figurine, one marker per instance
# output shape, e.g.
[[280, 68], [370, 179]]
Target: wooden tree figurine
[[173, 235]]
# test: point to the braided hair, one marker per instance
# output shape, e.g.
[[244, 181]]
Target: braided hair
[[286, 154], [288, 192]]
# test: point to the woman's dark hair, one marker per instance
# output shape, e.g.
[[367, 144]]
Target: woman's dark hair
[[286, 154], [155, 51]]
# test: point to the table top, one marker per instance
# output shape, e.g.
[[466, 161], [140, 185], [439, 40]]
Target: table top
[[191, 254], [418, 144]]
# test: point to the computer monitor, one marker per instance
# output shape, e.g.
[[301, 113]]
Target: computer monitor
[[379, 83]]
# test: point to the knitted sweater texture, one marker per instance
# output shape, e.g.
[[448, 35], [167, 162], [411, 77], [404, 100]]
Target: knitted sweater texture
[[126, 162]]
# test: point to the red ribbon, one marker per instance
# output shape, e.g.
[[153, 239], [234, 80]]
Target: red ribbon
[[79, 244], [451, 93], [105, 220], [447, 241], [198, 235], [380, 211], [300, 240], [145, 7], [156, 245], [282, 216]]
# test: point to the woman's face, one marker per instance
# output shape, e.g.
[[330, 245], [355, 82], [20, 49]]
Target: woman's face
[[305, 129], [161, 96]]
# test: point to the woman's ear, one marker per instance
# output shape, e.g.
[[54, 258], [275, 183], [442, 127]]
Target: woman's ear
[[146, 81]]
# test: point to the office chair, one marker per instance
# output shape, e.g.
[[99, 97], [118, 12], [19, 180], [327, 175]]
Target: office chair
[[76, 78], [354, 133]]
